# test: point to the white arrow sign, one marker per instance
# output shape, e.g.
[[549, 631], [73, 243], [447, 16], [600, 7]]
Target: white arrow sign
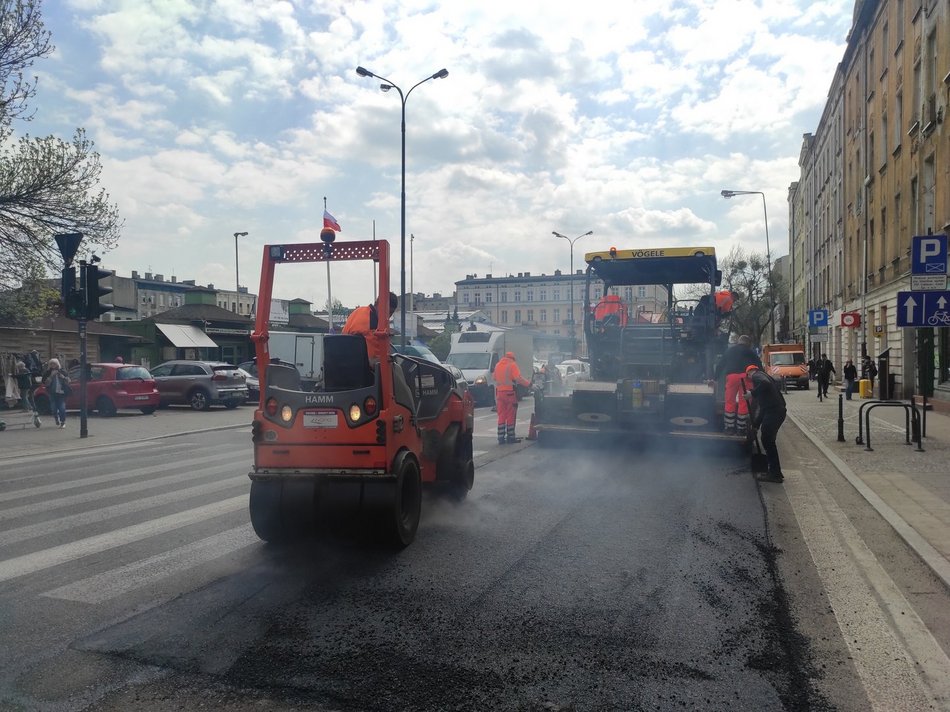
[[910, 304], [942, 303]]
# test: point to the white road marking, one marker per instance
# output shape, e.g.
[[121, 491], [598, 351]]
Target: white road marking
[[40, 560], [120, 475], [900, 664], [99, 494], [139, 574], [31, 531]]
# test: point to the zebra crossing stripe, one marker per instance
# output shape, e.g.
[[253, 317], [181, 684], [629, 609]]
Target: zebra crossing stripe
[[139, 574], [103, 514], [48, 558]]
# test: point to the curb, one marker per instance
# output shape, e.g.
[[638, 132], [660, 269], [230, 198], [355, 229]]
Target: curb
[[930, 556]]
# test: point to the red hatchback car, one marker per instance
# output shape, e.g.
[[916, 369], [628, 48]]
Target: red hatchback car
[[110, 386]]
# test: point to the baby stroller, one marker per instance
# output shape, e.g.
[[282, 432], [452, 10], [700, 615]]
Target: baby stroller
[[28, 406]]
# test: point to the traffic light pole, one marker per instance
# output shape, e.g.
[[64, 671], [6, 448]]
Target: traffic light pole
[[83, 416]]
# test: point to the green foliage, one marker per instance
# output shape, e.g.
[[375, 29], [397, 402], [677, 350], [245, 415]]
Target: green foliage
[[34, 300], [47, 185], [442, 343], [746, 275]]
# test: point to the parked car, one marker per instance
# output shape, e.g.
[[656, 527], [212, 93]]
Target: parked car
[[248, 369], [580, 368], [200, 384], [417, 350], [109, 387]]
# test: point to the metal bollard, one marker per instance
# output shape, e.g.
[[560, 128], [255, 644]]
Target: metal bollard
[[840, 418]]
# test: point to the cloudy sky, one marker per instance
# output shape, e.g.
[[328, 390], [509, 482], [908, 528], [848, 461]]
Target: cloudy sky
[[625, 118]]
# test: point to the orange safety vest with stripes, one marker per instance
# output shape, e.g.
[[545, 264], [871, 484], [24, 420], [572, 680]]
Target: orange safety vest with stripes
[[506, 374]]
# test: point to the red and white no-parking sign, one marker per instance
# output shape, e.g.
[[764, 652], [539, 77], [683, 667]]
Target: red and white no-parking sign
[[850, 319]]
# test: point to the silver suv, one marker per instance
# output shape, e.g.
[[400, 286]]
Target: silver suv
[[200, 384]]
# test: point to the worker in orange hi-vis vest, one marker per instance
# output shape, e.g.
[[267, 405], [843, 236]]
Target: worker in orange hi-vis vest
[[365, 320], [506, 375]]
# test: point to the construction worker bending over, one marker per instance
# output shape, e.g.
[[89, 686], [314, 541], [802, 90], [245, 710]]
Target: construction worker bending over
[[731, 370], [506, 375], [769, 411], [365, 320]]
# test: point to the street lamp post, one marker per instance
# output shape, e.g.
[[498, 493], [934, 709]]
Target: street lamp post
[[571, 281], [768, 252], [237, 277], [386, 86]]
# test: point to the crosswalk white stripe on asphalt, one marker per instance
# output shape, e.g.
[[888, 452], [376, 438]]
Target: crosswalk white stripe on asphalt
[[40, 560], [240, 459], [93, 516], [123, 580], [74, 499]]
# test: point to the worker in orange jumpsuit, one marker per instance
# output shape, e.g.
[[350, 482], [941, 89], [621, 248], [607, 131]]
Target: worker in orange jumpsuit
[[732, 368], [365, 320], [506, 375]]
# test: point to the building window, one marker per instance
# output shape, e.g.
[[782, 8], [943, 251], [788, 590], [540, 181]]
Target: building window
[[504, 316], [487, 297], [530, 295], [504, 296], [641, 292], [544, 316], [531, 315], [517, 295], [556, 296], [557, 315], [517, 316], [543, 296]]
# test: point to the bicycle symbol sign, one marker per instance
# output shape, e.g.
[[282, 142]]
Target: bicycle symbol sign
[[923, 308]]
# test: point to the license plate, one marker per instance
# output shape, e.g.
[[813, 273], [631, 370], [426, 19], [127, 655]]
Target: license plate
[[320, 418], [141, 398]]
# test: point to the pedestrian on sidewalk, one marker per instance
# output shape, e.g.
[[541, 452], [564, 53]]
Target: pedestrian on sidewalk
[[768, 414], [57, 385], [868, 370], [506, 375], [823, 370], [850, 373], [811, 369]]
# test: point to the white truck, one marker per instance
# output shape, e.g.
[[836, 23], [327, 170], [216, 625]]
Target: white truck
[[304, 351], [476, 353]]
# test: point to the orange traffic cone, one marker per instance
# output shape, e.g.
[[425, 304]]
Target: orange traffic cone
[[532, 431]]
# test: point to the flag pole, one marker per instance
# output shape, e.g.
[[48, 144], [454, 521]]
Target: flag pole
[[329, 293]]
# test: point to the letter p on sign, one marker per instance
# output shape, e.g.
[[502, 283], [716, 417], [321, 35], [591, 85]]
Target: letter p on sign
[[929, 254]]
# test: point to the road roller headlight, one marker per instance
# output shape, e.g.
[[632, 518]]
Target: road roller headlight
[[355, 413], [286, 413]]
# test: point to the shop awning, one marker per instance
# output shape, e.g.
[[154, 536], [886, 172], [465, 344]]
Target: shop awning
[[186, 337]]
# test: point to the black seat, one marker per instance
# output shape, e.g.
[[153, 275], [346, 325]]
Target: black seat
[[346, 363]]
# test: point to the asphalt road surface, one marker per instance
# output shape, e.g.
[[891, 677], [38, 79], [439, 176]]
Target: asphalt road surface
[[569, 579]]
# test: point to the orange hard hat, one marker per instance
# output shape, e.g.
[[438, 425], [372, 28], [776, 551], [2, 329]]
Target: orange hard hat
[[510, 354], [751, 368]]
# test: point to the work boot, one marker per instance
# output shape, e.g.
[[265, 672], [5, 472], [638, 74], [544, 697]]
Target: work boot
[[514, 440]]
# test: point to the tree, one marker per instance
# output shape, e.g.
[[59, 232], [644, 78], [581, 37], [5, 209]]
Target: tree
[[47, 185], [746, 275], [442, 343]]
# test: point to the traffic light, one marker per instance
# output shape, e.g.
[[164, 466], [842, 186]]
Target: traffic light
[[70, 295], [93, 291]]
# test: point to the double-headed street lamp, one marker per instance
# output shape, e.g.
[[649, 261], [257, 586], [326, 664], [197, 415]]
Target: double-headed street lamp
[[768, 252], [571, 281], [237, 277], [386, 86]]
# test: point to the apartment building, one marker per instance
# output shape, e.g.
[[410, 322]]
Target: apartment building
[[875, 174]]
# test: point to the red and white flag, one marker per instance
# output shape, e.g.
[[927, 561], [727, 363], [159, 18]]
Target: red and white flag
[[330, 221]]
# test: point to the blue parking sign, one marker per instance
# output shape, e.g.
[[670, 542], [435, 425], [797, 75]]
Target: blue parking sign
[[928, 254], [818, 317]]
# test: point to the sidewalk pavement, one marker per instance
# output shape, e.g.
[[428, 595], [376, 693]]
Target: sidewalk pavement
[[21, 439], [910, 489]]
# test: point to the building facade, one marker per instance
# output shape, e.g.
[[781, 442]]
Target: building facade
[[875, 174]]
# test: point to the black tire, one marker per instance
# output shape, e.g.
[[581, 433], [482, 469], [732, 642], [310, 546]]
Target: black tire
[[232, 403], [199, 399], [463, 481], [43, 406], [105, 407], [264, 508], [148, 410], [400, 520]]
